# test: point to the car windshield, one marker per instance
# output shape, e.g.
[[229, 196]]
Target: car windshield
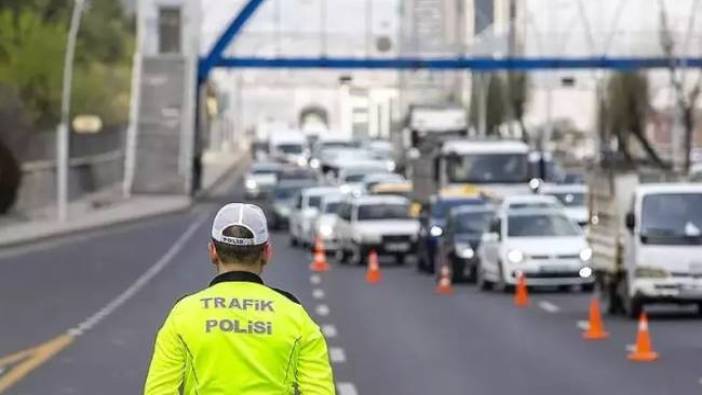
[[541, 225], [285, 193], [261, 171], [290, 148], [315, 202], [331, 208], [570, 199], [488, 168], [672, 218], [441, 208], [382, 211], [473, 222]]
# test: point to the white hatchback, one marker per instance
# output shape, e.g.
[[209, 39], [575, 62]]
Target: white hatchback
[[545, 245]]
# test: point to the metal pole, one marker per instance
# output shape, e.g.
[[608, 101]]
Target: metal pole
[[63, 134], [134, 105]]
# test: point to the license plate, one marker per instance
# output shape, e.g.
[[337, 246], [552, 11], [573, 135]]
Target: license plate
[[554, 268], [397, 246]]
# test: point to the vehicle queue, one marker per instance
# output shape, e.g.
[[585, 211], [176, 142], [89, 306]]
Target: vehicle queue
[[349, 195]]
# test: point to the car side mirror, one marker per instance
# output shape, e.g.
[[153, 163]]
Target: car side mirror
[[630, 221]]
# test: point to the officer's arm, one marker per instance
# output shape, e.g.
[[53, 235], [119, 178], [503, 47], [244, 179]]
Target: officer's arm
[[168, 363], [314, 372]]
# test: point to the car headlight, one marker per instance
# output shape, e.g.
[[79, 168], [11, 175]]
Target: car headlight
[[345, 188], [325, 230], [585, 254], [585, 272], [464, 251], [436, 231], [391, 166], [650, 272], [515, 256], [314, 163], [282, 210], [301, 161], [251, 184]]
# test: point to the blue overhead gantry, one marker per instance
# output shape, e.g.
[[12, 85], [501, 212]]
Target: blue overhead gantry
[[216, 58]]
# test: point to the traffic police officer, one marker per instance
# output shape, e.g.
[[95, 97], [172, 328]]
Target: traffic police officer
[[239, 336]]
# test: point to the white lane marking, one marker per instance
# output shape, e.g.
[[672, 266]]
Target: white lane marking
[[140, 282], [315, 279], [318, 293], [322, 310], [631, 347], [549, 307], [329, 331], [337, 355], [584, 325], [346, 389]]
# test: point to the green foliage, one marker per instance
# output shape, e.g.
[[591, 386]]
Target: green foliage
[[33, 36], [31, 54]]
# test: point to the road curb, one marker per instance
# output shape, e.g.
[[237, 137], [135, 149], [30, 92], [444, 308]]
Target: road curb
[[51, 230]]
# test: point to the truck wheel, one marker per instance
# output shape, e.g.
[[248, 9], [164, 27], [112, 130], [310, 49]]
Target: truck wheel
[[481, 281]]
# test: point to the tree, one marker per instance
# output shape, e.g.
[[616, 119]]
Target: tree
[[495, 104], [624, 111], [31, 56], [685, 99]]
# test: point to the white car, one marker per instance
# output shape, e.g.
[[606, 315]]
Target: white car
[[304, 212], [261, 179], [325, 221], [351, 175], [380, 223], [529, 201], [573, 199], [543, 244]]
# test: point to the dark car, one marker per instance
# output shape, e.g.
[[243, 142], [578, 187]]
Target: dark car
[[280, 201], [458, 247], [432, 223], [297, 174]]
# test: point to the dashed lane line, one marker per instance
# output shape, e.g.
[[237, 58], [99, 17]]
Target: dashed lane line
[[140, 282], [329, 331], [549, 307], [318, 293], [31, 358], [322, 310], [337, 355], [315, 279], [346, 389]]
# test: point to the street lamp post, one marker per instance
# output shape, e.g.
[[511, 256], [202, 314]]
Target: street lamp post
[[63, 135]]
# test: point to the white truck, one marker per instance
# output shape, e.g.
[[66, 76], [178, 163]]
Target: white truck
[[646, 241]]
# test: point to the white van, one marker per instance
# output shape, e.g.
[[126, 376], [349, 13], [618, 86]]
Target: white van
[[289, 146]]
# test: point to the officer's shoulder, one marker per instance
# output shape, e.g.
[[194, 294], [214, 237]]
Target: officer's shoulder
[[287, 294]]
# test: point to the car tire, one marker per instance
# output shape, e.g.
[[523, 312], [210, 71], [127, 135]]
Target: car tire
[[503, 286], [357, 256], [634, 308], [483, 283], [342, 256], [401, 259], [588, 288]]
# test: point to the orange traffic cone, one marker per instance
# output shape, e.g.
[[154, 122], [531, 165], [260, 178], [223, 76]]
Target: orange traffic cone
[[319, 262], [444, 287], [596, 329], [643, 351], [521, 295], [373, 274]]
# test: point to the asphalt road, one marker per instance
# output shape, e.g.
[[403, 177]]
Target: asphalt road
[[396, 337]]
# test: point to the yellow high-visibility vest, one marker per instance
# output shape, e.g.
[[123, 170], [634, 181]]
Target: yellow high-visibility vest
[[239, 337]]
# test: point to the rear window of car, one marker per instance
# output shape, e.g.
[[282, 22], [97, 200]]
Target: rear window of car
[[383, 211], [315, 201]]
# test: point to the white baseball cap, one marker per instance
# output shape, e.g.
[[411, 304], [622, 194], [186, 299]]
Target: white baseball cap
[[248, 216]]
